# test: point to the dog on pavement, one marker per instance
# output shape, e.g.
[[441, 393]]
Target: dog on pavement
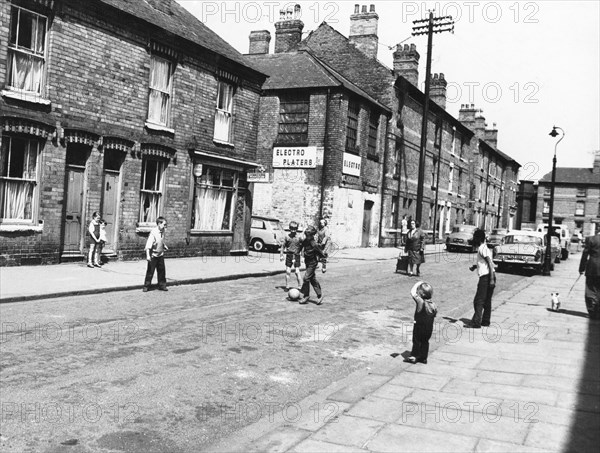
[[554, 301]]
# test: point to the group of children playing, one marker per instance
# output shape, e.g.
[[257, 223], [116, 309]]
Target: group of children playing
[[315, 244]]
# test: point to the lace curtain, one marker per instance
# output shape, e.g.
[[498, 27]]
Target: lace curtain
[[160, 87], [223, 112], [27, 51], [16, 199], [150, 203], [209, 208]]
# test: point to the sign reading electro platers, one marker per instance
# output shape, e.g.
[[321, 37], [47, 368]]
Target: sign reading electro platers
[[351, 164], [295, 157]]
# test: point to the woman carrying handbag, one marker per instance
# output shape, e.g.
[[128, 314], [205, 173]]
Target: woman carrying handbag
[[415, 243]]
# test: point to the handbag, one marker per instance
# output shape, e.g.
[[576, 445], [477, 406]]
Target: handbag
[[422, 253], [402, 263]]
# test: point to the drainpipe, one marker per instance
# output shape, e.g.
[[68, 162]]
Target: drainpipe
[[383, 176], [437, 190], [325, 137]]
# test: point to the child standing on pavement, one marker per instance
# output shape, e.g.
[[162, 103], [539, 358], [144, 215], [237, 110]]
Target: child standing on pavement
[[312, 254], [94, 234], [102, 238], [291, 248], [425, 313]]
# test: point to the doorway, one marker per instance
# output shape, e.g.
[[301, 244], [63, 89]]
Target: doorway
[[73, 221], [366, 226], [110, 197]]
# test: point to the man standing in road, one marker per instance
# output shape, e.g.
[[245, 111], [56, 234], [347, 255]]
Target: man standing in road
[[155, 251], [590, 265]]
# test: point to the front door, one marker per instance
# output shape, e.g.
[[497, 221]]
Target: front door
[[74, 210], [366, 227], [110, 205]]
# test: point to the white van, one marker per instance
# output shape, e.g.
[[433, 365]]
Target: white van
[[565, 237]]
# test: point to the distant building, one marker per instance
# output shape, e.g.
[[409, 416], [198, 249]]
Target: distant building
[[133, 109], [576, 198]]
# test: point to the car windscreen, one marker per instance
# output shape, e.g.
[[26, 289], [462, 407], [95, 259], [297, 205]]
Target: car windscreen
[[276, 225], [522, 239], [462, 229]]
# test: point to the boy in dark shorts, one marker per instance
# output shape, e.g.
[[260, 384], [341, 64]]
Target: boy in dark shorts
[[291, 247], [425, 313], [312, 254]]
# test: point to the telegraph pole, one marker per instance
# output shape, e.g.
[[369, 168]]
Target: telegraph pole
[[434, 25]]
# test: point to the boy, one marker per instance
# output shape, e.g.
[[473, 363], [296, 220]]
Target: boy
[[324, 240], [312, 255], [425, 313], [291, 247], [94, 232], [482, 302], [155, 255]]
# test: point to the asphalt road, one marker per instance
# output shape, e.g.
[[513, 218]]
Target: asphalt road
[[176, 371]]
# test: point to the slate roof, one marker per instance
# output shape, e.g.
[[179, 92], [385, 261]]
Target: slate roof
[[572, 175], [289, 70], [181, 23]]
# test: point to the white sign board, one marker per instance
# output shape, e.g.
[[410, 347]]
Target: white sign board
[[351, 164], [258, 176], [295, 157]]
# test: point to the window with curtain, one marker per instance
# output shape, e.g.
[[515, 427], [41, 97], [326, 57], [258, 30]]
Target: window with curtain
[[159, 103], [293, 120], [18, 178], [213, 199], [450, 178], [373, 127], [26, 51], [352, 125], [580, 208], [153, 171], [224, 113]]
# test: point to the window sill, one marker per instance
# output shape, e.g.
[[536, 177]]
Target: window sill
[[211, 233], [22, 227], [373, 157], [223, 143], [26, 97], [145, 227], [159, 127]]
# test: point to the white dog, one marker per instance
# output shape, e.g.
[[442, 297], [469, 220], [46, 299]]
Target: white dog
[[555, 301]]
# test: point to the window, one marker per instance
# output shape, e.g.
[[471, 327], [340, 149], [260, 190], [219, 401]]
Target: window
[[213, 199], [153, 172], [373, 127], [393, 211], [159, 104], [26, 51], [293, 120], [352, 126], [581, 192], [224, 112], [18, 178], [397, 157], [453, 149], [580, 208], [546, 191], [459, 181], [450, 178]]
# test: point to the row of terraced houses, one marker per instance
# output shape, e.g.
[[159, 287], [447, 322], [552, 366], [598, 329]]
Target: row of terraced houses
[[137, 109]]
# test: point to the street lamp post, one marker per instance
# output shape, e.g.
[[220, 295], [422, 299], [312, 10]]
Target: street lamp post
[[548, 257]]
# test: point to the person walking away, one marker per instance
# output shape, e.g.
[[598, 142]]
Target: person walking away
[[482, 302], [404, 230], [324, 240], [102, 238], [415, 243], [155, 251], [590, 266], [94, 233], [291, 248], [312, 254], [425, 313]]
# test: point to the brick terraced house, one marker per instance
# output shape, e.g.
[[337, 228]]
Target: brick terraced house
[[134, 109]]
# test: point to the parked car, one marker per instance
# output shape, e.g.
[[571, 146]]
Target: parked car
[[525, 250], [461, 238], [563, 233], [496, 236], [266, 233]]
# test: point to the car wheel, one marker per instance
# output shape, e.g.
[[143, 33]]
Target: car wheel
[[449, 248], [257, 245]]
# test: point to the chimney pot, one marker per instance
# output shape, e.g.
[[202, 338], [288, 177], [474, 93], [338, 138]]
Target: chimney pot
[[364, 8], [363, 30], [372, 9], [356, 9]]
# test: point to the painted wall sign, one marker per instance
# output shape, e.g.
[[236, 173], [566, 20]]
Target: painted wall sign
[[351, 164], [258, 176], [295, 157]]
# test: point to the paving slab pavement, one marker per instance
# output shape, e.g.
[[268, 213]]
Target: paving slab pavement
[[528, 383]]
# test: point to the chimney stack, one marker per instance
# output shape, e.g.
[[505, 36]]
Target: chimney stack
[[363, 30], [406, 63], [437, 90], [259, 42], [491, 136], [596, 169], [473, 119], [288, 31]]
